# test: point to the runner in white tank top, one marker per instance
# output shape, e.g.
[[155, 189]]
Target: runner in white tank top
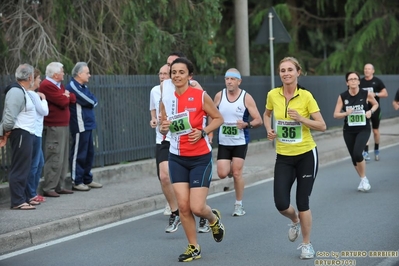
[[236, 106]]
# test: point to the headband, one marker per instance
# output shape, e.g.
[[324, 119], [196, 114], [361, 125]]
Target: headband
[[232, 75]]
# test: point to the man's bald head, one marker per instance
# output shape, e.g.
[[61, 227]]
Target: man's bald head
[[232, 79], [368, 71], [163, 73]]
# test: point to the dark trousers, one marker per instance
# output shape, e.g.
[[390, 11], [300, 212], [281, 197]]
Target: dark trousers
[[82, 157], [21, 142]]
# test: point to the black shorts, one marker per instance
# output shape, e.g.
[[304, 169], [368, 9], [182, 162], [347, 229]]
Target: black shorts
[[161, 153], [228, 152], [195, 170], [375, 119], [302, 168]]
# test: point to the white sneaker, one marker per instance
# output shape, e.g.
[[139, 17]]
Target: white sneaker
[[307, 251], [238, 210], [364, 185], [294, 231], [167, 210]]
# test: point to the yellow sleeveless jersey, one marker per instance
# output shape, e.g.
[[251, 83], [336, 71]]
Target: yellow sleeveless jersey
[[293, 138]]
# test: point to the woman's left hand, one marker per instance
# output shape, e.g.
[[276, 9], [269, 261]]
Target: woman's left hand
[[194, 136]]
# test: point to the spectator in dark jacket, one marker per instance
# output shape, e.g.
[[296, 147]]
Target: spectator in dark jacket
[[81, 125]]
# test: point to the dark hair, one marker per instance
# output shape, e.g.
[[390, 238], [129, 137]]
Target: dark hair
[[351, 72], [177, 53], [185, 61], [36, 73]]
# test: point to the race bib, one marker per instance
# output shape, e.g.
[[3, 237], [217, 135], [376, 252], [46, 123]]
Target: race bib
[[289, 131], [229, 130], [180, 124], [369, 89], [357, 118]]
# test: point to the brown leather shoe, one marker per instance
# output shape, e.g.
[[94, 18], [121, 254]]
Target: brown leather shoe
[[65, 191], [51, 194]]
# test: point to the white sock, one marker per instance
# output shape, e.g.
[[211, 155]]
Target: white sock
[[239, 202]]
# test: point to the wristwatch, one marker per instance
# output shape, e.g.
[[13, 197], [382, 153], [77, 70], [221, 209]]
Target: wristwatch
[[203, 133], [249, 125]]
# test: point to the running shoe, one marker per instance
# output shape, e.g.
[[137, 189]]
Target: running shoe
[[238, 210], [307, 251], [174, 222], [294, 231], [366, 156], [218, 230], [167, 210], [377, 155], [203, 226], [364, 185], [191, 253]]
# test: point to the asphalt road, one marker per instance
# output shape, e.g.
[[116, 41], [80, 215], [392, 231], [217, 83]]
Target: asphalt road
[[345, 221]]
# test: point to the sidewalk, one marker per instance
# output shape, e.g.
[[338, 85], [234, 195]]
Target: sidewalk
[[133, 189]]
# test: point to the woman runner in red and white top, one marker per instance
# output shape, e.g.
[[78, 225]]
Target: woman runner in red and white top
[[183, 113]]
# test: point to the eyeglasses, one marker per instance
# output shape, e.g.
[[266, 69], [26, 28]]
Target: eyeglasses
[[354, 79]]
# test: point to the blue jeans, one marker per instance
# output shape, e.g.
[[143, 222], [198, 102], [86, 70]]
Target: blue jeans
[[36, 168]]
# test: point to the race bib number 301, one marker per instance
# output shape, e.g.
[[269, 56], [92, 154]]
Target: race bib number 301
[[357, 118], [289, 131], [180, 124]]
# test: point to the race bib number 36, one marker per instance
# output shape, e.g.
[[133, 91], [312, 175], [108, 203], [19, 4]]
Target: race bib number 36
[[180, 124], [357, 118], [289, 131]]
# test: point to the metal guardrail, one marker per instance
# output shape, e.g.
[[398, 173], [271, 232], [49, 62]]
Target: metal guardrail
[[123, 133]]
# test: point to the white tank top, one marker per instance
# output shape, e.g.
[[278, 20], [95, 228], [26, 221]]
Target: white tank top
[[229, 134], [168, 89]]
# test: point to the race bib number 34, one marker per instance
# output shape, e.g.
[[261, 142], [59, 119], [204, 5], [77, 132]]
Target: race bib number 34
[[180, 124], [289, 131]]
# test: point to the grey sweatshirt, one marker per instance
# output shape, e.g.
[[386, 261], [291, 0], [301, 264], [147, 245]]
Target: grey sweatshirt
[[13, 105]]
